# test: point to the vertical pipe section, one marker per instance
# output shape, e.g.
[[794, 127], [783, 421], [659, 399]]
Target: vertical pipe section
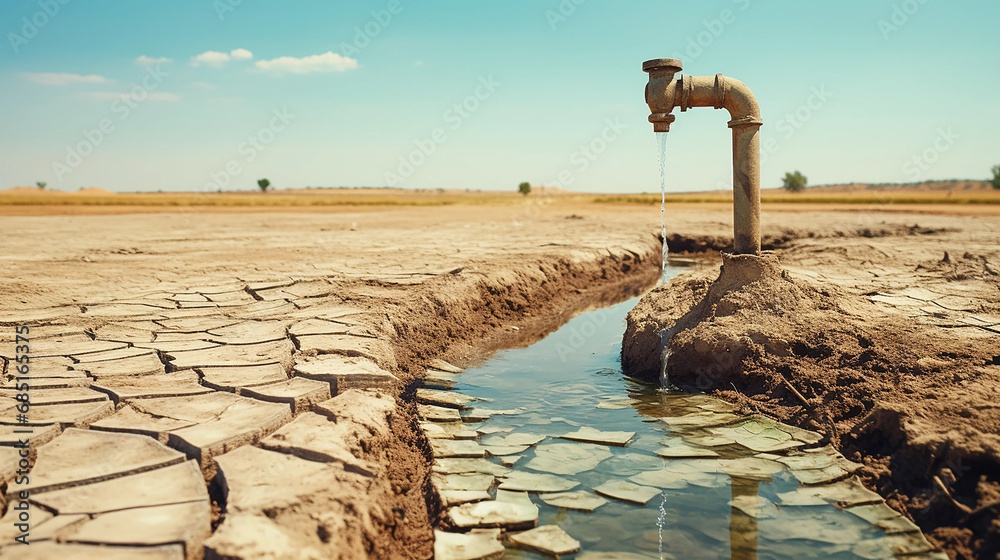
[[746, 186]]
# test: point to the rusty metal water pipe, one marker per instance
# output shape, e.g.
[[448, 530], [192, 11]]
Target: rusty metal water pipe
[[664, 93]]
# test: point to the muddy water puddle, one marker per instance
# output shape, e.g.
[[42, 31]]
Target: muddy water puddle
[[627, 470]]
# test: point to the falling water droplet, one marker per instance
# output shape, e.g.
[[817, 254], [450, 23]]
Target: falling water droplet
[[660, 520], [661, 140]]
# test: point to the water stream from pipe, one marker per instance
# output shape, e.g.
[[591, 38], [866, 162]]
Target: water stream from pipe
[[661, 140]]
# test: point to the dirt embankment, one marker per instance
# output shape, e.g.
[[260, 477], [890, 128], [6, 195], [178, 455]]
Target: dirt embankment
[[464, 319], [887, 340]]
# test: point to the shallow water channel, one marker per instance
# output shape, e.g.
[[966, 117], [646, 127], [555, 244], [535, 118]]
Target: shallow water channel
[[707, 483]]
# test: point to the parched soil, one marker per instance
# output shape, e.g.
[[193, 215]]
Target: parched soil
[[439, 283], [900, 381], [880, 331]]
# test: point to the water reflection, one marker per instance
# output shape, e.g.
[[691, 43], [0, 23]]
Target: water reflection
[[724, 491], [742, 527]]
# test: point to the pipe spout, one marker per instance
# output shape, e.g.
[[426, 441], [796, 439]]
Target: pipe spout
[[665, 91]]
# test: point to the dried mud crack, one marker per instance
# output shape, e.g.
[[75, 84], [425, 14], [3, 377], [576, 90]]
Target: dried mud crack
[[264, 415]]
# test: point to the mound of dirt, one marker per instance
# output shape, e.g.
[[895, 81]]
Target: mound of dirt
[[914, 403]]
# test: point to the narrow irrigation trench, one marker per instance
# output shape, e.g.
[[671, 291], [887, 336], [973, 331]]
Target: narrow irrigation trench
[[550, 451]]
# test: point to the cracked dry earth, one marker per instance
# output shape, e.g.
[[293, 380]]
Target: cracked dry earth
[[241, 386]]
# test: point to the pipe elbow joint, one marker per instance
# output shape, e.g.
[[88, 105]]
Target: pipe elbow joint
[[740, 102]]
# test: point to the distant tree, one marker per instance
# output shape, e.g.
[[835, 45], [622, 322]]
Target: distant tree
[[41, 185], [996, 177], [263, 184], [795, 182], [524, 188]]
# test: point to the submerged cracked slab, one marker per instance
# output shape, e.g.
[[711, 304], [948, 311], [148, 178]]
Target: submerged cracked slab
[[549, 539], [478, 544], [494, 514]]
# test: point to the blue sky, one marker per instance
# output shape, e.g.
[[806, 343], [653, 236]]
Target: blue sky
[[484, 95]]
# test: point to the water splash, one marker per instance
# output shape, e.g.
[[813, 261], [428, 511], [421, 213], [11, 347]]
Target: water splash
[[661, 140], [665, 336], [661, 520]]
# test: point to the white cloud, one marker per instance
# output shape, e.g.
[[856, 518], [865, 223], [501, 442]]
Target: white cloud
[[326, 62], [150, 60], [210, 58], [241, 54], [56, 79], [112, 95], [215, 59]]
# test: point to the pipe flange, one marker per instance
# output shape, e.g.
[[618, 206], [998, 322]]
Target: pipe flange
[[720, 91], [748, 120]]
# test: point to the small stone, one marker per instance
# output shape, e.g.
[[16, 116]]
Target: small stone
[[549, 539], [510, 460], [514, 440], [514, 497], [579, 500], [703, 419], [503, 450], [431, 413], [474, 545], [458, 466], [591, 435], [627, 491], [568, 458], [456, 448], [445, 366], [533, 482], [677, 448], [446, 399], [464, 481], [451, 498], [494, 514]]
